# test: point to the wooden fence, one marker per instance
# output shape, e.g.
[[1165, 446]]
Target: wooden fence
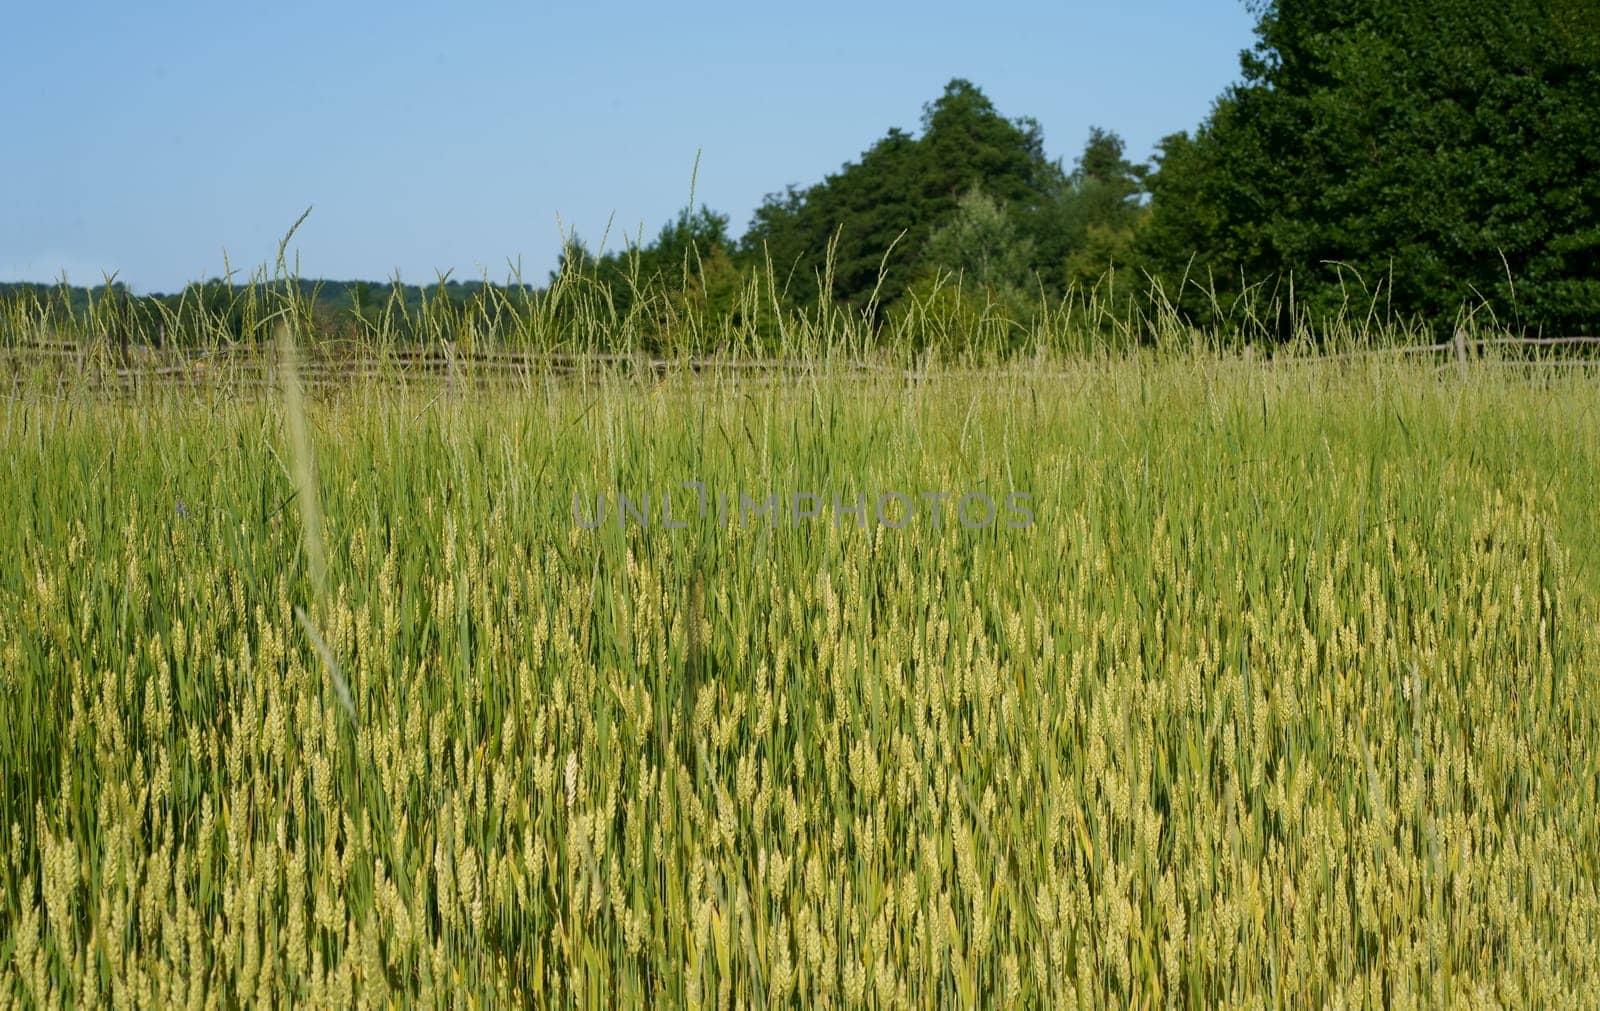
[[332, 364]]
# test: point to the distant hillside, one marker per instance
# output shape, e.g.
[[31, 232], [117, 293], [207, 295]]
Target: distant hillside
[[336, 305], [336, 295]]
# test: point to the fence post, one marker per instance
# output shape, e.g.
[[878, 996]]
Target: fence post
[[1461, 351]]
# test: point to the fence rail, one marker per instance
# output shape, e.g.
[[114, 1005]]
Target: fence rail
[[256, 367], [332, 364]]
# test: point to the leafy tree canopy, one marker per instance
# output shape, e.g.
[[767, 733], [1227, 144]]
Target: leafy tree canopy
[[877, 214], [1416, 155]]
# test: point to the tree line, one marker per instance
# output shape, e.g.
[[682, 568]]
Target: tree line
[[1411, 160]]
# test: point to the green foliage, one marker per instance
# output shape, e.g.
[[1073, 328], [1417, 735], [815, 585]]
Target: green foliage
[[107, 312], [1090, 226], [686, 272], [873, 219], [975, 197], [973, 287], [863, 219], [980, 241], [1410, 157], [1103, 250], [957, 318], [1386, 162]]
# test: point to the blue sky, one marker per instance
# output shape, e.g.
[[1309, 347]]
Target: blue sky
[[149, 139]]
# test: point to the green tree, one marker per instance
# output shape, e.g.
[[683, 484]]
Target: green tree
[[972, 287], [846, 224], [980, 242], [1419, 156], [686, 270], [875, 216], [1090, 224]]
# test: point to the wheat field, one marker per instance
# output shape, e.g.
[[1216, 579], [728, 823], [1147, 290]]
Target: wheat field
[[1285, 697]]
